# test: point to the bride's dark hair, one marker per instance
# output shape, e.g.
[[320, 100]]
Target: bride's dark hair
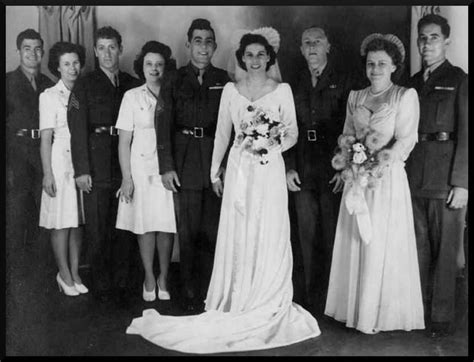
[[248, 39]]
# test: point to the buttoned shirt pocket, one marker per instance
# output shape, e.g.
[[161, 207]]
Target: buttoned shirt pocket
[[438, 106]]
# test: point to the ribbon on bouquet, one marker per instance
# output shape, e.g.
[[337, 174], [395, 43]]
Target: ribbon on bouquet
[[357, 205]]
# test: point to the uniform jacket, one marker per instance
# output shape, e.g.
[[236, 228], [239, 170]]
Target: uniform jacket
[[321, 108], [433, 166], [189, 104], [22, 111], [95, 102]]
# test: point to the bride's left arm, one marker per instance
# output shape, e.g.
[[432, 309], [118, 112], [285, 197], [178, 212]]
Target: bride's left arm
[[406, 125], [288, 117]]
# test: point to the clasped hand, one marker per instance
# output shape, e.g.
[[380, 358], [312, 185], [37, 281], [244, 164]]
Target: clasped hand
[[84, 183], [170, 181], [457, 197], [218, 186], [125, 192], [49, 185]]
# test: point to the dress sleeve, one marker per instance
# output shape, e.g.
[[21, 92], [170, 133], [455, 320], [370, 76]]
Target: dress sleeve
[[288, 118], [223, 131], [47, 111], [125, 119], [349, 128], [406, 124]]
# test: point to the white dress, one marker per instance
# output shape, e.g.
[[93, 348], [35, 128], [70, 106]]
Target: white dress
[[152, 207], [65, 209], [249, 302], [376, 286]]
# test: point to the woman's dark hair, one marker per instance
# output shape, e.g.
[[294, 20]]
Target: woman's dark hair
[[248, 39], [380, 44], [61, 48], [154, 47]]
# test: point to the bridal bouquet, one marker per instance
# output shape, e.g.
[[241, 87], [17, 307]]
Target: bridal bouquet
[[362, 161], [260, 132]]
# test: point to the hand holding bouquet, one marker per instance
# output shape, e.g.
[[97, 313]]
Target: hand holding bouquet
[[260, 132]]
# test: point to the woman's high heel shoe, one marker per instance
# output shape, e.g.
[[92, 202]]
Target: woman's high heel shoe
[[162, 294], [81, 288], [148, 296], [66, 289]]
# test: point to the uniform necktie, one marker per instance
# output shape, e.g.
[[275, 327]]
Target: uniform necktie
[[200, 75], [315, 73], [116, 81], [426, 74], [33, 83]]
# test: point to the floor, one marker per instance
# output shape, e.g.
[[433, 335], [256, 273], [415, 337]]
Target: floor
[[40, 321]]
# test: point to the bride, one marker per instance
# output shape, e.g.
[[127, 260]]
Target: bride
[[249, 302]]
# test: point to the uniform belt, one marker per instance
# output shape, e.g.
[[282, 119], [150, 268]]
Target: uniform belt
[[110, 130], [312, 135], [436, 136], [33, 133], [197, 132]]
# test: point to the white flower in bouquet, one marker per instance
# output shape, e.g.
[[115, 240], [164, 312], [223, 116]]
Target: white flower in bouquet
[[260, 142], [262, 129], [359, 157]]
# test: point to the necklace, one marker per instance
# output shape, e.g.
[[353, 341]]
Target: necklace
[[381, 92]]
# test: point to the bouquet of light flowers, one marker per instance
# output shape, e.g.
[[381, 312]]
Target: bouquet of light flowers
[[363, 161], [260, 132]]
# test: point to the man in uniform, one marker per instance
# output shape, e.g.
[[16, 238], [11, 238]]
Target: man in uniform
[[185, 150], [320, 100], [438, 171], [92, 112], [24, 173]]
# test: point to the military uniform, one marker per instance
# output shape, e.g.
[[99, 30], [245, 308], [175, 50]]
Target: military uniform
[[438, 162], [320, 113], [23, 161], [92, 112], [185, 143]]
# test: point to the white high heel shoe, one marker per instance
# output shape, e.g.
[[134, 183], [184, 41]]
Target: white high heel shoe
[[148, 296], [66, 289], [81, 288], [162, 294]]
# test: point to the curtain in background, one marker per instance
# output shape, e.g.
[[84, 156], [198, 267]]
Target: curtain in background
[[75, 24]]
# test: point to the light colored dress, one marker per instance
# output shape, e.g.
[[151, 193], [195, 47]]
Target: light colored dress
[[152, 207], [65, 209], [375, 286], [249, 301]]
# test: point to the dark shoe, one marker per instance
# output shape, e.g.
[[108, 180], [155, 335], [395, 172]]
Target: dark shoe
[[439, 329]]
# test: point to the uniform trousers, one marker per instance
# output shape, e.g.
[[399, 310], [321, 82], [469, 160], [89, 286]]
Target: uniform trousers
[[438, 229], [316, 212], [198, 221], [112, 253]]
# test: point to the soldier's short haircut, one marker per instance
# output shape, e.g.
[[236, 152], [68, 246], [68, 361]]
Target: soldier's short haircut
[[107, 32], [28, 34], [435, 19], [200, 24]]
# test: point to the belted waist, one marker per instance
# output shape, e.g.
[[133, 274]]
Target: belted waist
[[312, 135], [33, 133], [436, 136], [109, 130], [197, 132]]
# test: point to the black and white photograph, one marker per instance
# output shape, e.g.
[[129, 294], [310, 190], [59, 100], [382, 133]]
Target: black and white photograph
[[236, 180]]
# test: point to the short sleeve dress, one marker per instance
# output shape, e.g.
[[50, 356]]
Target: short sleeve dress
[[152, 207], [65, 209]]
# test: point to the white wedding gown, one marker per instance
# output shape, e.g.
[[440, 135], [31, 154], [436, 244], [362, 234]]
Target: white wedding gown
[[249, 302]]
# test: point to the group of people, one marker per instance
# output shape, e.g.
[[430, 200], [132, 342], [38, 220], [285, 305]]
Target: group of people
[[161, 155]]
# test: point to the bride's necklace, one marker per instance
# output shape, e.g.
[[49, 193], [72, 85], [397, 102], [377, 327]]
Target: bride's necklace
[[380, 92]]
